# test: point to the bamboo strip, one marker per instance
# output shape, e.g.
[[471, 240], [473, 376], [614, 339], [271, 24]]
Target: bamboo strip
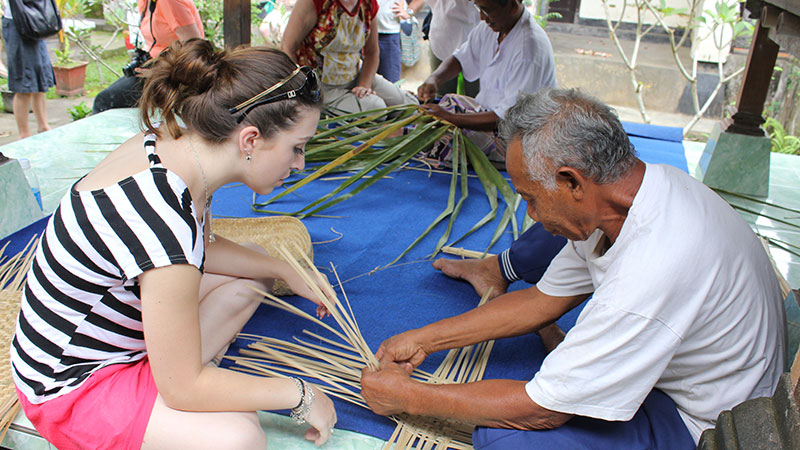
[[460, 251], [338, 365]]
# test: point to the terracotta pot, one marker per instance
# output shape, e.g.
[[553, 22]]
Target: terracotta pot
[[8, 100], [69, 80]]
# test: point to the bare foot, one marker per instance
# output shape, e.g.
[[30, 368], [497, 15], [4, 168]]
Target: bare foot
[[44, 128], [482, 274], [551, 336]]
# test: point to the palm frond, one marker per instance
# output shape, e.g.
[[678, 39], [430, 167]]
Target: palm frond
[[369, 145]]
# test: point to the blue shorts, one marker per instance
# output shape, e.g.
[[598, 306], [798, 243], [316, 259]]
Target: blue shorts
[[656, 426], [390, 62], [530, 255]]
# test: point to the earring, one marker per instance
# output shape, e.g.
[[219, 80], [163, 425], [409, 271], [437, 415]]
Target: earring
[[247, 158]]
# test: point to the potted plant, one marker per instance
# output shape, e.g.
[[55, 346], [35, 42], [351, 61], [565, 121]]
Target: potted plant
[[70, 74]]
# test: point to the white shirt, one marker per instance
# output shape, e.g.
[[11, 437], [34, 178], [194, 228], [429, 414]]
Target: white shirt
[[450, 25], [685, 301], [387, 22], [523, 62]]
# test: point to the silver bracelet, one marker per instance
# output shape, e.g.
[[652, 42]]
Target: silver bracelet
[[300, 412]]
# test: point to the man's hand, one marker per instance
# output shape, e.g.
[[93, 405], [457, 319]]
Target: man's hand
[[426, 92], [436, 110], [402, 349], [384, 390]]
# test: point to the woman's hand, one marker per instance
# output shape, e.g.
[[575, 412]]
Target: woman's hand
[[321, 416], [399, 10], [362, 91], [298, 285]]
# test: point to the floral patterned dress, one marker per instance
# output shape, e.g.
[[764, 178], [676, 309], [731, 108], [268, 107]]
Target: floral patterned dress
[[334, 45]]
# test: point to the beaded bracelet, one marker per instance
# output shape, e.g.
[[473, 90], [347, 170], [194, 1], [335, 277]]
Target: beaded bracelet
[[300, 412]]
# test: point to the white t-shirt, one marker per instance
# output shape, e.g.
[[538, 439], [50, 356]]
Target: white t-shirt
[[523, 62], [450, 25], [387, 22], [685, 301]]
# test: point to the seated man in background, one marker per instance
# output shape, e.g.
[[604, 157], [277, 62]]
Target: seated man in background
[[685, 318], [510, 53], [161, 23]]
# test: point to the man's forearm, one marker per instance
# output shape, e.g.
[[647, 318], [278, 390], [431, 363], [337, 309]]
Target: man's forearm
[[491, 403], [447, 70], [482, 121], [512, 314]]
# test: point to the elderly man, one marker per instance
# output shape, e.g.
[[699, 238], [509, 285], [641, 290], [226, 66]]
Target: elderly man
[[685, 317]]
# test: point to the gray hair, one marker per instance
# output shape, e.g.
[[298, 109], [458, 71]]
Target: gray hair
[[560, 127]]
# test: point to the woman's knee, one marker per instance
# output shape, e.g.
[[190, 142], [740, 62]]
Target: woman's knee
[[245, 433]]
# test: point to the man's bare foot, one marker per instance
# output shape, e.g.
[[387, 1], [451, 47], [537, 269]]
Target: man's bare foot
[[551, 336], [482, 274]]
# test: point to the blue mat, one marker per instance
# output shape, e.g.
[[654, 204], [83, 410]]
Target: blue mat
[[373, 228]]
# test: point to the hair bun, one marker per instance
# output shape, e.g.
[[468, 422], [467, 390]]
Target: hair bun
[[194, 67]]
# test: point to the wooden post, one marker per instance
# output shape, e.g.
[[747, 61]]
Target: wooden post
[[236, 22], [755, 84]]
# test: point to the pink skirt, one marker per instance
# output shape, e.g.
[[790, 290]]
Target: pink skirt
[[109, 410]]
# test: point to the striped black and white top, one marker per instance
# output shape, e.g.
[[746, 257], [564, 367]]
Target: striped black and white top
[[81, 308]]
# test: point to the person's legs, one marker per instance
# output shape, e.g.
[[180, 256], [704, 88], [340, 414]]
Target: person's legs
[[390, 65], [390, 93], [21, 105], [123, 93], [226, 304], [526, 259], [656, 426], [482, 274], [529, 256], [170, 428], [341, 99], [40, 111]]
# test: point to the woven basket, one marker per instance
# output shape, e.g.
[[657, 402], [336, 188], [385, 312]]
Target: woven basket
[[268, 232]]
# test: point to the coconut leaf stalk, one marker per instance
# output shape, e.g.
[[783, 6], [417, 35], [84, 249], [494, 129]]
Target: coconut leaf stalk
[[456, 152], [379, 150], [398, 155], [462, 161], [394, 127]]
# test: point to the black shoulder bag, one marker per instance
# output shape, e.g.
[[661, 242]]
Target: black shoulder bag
[[35, 19]]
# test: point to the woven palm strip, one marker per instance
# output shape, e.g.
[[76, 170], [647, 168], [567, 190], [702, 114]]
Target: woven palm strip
[[12, 278], [268, 232], [337, 362]]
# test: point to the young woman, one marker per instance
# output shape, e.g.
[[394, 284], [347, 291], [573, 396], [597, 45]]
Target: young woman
[[131, 296]]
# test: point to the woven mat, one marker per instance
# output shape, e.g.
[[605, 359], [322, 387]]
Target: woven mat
[[12, 273], [268, 232]]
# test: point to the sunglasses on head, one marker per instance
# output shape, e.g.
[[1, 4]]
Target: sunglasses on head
[[308, 90]]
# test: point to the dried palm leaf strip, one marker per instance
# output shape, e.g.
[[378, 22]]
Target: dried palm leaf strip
[[12, 279], [339, 368]]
